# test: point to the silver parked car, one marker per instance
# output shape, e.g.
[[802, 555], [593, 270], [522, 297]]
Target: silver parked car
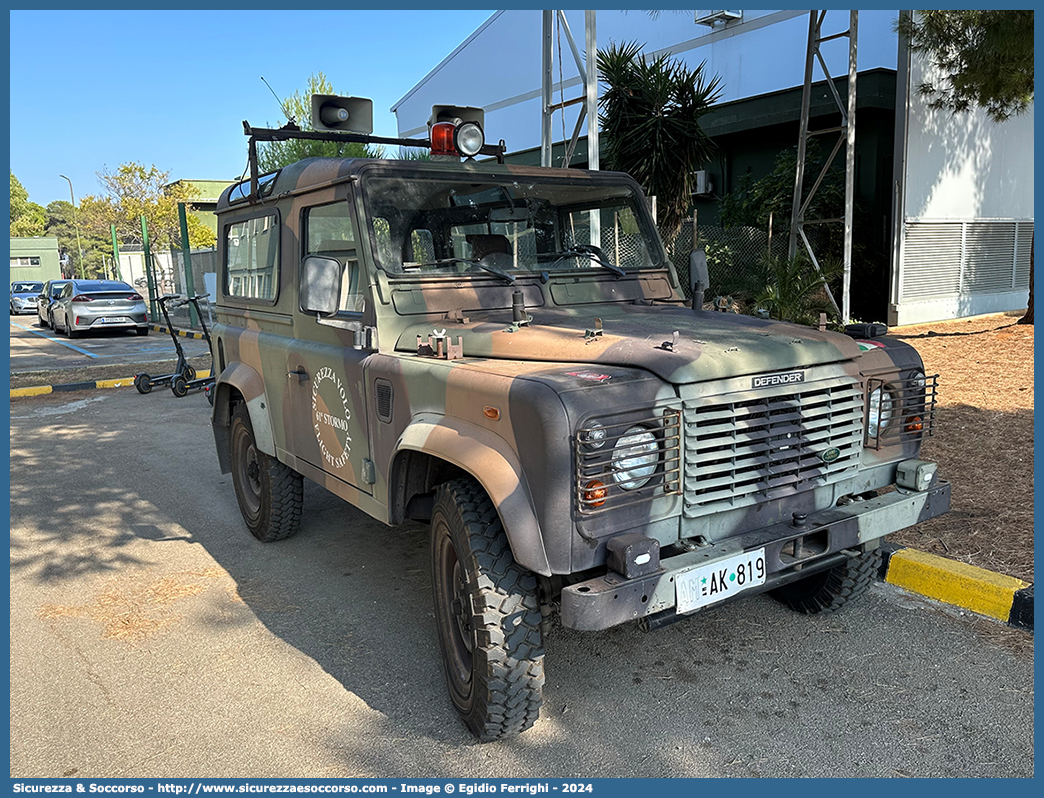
[[46, 299], [98, 305], [23, 296]]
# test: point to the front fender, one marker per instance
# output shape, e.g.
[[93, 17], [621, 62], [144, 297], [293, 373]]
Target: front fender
[[489, 459], [241, 378]]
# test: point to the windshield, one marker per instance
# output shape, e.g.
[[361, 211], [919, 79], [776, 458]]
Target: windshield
[[506, 225], [26, 288]]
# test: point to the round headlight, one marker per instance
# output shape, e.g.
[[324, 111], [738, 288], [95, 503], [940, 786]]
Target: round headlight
[[879, 412], [917, 380], [468, 139], [593, 435], [634, 458]]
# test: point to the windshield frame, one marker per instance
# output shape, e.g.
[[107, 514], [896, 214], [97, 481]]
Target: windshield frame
[[472, 173]]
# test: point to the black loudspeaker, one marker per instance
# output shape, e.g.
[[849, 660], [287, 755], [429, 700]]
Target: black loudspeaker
[[451, 113], [343, 114]]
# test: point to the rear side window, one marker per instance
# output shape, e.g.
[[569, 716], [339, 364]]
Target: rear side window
[[252, 258]]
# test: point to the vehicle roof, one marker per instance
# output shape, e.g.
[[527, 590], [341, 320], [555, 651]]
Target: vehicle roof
[[105, 285], [317, 171]]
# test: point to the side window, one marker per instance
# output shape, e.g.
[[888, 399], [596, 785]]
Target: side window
[[252, 258], [329, 232]]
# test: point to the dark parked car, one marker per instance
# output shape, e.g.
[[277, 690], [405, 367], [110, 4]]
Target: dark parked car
[[96, 305], [23, 296], [45, 301]]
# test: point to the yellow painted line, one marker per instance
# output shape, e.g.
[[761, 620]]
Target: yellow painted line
[[36, 390], [202, 374], [122, 382], [976, 589]]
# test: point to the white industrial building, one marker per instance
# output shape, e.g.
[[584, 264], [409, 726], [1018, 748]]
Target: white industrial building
[[947, 201]]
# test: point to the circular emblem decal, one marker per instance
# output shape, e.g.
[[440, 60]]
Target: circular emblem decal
[[830, 455], [330, 417]]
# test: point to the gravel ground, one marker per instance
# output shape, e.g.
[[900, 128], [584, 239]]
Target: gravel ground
[[983, 441]]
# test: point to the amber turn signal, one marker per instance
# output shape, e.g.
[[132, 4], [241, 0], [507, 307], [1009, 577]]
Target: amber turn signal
[[914, 424], [595, 493], [492, 413]]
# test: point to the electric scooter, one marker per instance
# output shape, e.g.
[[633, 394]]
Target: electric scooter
[[181, 385], [143, 382]]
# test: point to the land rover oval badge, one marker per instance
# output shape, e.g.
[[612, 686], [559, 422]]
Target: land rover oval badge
[[830, 455]]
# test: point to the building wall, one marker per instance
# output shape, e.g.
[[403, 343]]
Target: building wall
[[967, 221], [44, 250], [498, 67]]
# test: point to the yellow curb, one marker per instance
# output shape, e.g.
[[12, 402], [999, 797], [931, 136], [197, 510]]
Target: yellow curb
[[36, 390], [975, 589], [122, 382], [200, 375]]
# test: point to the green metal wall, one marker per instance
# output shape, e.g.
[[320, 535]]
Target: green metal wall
[[46, 249]]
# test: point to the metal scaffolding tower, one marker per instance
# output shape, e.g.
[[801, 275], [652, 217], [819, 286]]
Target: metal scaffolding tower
[[588, 78], [847, 130]]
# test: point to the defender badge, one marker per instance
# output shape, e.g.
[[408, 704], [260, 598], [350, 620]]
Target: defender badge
[[787, 378]]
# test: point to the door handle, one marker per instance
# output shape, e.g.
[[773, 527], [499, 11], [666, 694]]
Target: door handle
[[300, 373]]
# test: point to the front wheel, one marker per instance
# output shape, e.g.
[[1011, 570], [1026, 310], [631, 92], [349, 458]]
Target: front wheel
[[179, 386], [270, 494], [142, 383], [487, 611], [830, 590]]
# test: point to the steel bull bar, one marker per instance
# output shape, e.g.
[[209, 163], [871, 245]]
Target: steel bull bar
[[822, 540]]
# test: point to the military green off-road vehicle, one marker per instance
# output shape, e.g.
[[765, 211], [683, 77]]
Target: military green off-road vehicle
[[506, 352]]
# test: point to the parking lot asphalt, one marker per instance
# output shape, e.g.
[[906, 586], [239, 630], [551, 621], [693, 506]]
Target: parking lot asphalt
[[152, 636], [41, 356]]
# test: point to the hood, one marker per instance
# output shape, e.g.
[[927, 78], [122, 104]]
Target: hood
[[710, 345]]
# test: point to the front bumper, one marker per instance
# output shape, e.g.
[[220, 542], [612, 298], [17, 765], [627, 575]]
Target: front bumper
[[790, 554]]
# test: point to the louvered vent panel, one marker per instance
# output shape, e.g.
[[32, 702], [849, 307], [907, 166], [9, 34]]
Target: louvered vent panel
[[931, 260], [989, 257], [1022, 256]]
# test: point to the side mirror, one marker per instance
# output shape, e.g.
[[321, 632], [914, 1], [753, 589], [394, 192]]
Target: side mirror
[[320, 285], [699, 277]]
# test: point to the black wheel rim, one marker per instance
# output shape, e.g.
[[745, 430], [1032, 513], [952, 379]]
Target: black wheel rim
[[248, 472], [454, 612]]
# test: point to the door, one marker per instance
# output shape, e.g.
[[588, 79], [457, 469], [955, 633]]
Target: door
[[327, 389]]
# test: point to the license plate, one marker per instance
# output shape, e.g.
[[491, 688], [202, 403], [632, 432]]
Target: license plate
[[709, 584], [112, 320]]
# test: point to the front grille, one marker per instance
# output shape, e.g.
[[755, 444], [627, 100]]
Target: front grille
[[763, 445], [596, 465]]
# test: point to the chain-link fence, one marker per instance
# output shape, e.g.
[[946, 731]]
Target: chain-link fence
[[203, 263], [735, 255]]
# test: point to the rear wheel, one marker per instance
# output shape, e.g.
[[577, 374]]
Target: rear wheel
[[270, 494], [142, 383], [142, 330], [487, 610], [179, 386], [72, 332], [830, 590]]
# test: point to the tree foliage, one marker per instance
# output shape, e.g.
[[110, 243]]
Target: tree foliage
[[650, 125], [27, 218], [134, 190], [277, 154], [985, 57], [61, 223]]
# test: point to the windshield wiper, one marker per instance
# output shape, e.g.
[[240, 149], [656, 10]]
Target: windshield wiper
[[470, 261], [587, 251]]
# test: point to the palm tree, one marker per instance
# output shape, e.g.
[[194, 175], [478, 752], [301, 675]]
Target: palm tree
[[650, 125]]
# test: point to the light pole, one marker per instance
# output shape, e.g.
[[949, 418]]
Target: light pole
[[76, 222]]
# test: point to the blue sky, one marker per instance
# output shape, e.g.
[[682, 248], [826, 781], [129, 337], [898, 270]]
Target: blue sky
[[94, 89]]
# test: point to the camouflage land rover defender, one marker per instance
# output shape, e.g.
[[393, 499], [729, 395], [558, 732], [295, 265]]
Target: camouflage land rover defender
[[506, 353]]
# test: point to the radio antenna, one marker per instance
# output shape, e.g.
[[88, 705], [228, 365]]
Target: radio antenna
[[289, 116]]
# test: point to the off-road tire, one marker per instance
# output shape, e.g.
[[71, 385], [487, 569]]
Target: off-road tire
[[142, 383], [830, 590], [487, 612], [270, 494]]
